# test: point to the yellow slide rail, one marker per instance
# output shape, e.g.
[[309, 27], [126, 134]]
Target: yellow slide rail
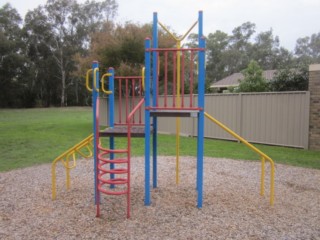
[[263, 156], [64, 158]]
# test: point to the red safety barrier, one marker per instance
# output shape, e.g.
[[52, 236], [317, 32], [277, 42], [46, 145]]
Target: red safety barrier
[[129, 92], [168, 78]]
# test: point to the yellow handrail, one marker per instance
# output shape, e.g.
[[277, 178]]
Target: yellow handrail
[[95, 79], [102, 83], [64, 158], [262, 155], [87, 80]]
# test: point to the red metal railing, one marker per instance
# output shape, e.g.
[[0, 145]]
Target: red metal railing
[[129, 92], [176, 78], [129, 119]]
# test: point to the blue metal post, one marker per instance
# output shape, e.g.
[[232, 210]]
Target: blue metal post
[[147, 200], [111, 118], [95, 95], [201, 92], [154, 99], [200, 26]]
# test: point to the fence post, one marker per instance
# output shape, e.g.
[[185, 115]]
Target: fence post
[[239, 115], [314, 124]]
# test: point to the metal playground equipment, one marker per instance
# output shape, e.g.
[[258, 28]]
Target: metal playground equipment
[[182, 68]]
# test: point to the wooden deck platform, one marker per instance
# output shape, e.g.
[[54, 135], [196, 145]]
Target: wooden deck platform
[[174, 113], [122, 131]]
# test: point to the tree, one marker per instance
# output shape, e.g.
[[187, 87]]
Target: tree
[[122, 47], [11, 58], [229, 54], [265, 49], [253, 80], [307, 49], [217, 45], [291, 79], [282, 58], [240, 48], [68, 27]]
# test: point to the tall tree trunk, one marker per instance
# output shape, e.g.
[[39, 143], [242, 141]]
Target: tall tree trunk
[[63, 86], [63, 77], [77, 91]]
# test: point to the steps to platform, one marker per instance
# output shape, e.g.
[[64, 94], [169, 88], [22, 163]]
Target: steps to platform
[[113, 174]]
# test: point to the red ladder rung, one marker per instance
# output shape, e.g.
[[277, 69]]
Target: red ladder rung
[[107, 160], [107, 151], [113, 181]]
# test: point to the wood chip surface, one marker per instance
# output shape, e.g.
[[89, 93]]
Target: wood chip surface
[[232, 206]]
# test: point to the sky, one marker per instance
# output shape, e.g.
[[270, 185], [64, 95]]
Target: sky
[[289, 19]]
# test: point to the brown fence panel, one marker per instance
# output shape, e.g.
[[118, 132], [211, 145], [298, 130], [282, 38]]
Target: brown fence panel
[[276, 118]]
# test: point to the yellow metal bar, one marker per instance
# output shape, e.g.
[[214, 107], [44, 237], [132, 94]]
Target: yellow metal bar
[[88, 149], [177, 150], [102, 83], [263, 155], [72, 151], [87, 80], [168, 31], [95, 79], [142, 74], [187, 33], [173, 36], [272, 183], [53, 181], [262, 176], [67, 172], [89, 138]]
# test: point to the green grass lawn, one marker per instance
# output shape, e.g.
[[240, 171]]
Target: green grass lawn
[[34, 136]]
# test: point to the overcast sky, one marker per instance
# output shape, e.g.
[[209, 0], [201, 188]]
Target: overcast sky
[[289, 19]]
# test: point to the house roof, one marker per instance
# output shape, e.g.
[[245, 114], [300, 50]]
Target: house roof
[[233, 80]]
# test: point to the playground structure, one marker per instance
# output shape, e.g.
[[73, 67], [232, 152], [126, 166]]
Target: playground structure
[[64, 158], [182, 67]]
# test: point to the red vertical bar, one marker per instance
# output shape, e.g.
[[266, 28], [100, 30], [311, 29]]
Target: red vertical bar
[[120, 100], [127, 98], [174, 57], [191, 78], [182, 79], [158, 71], [133, 97], [129, 169], [140, 96], [165, 78]]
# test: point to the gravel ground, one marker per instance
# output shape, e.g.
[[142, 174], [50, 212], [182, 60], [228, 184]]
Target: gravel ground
[[232, 207]]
